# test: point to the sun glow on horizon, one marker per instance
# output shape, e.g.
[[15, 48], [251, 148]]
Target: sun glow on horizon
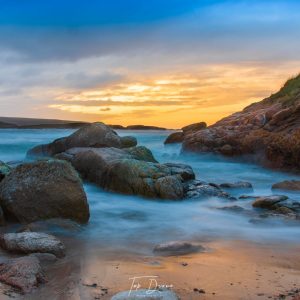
[[208, 94]]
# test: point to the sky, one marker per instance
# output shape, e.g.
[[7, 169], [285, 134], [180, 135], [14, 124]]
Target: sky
[[155, 62]]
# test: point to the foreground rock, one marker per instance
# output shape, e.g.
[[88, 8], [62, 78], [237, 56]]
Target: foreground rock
[[93, 135], [267, 131], [4, 170], [237, 185], [268, 201], [177, 248], [146, 295], [292, 185], [24, 273], [43, 190], [32, 242], [129, 171]]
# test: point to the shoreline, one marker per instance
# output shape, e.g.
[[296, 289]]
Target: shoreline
[[230, 270]]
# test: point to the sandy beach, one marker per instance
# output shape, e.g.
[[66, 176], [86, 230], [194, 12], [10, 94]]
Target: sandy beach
[[228, 270]]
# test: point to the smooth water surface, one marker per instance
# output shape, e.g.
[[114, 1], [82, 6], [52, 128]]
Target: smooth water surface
[[134, 223]]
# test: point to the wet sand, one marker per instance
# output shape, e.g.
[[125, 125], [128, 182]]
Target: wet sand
[[228, 270]]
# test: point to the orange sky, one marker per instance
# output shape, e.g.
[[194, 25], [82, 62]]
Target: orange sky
[[203, 93]]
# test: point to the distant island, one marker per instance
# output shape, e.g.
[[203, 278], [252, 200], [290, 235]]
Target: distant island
[[32, 123]]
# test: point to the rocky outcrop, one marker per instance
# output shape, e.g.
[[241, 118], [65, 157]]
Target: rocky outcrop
[[177, 248], [95, 135], [44, 190], [292, 185], [129, 171], [32, 242], [24, 273], [267, 131]]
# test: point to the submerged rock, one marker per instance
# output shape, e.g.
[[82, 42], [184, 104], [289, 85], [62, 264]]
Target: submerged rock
[[293, 185], [268, 201], [146, 295], [177, 248], [44, 190], [198, 189], [237, 185], [31, 242], [24, 273], [93, 135]]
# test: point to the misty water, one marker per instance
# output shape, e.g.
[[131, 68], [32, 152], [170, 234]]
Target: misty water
[[136, 224]]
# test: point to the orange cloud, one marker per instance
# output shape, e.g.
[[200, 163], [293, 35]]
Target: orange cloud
[[203, 93]]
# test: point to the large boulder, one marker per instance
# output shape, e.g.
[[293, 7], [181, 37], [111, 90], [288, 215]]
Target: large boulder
[[292, 185], [129, 171], [4, 169], [267, 132], [93, 135], [24, 273], [44, 190], [32, 242]]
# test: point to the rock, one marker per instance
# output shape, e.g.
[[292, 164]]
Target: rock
[[198, 189], [93, 135], [237, 185], [141, 153], [293, 185], [4, 169], [185, 171], [233, 208], [24, 273], [146, 295], [2, 218], [194, 127], [169, 187], [268, 202], [267, 132], [177, 248], [175, 137], [31, 242], [45, 258], [125, 171], [44, 190], [128, 141]]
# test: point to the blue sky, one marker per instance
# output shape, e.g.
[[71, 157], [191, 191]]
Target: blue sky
[[51, 49]]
